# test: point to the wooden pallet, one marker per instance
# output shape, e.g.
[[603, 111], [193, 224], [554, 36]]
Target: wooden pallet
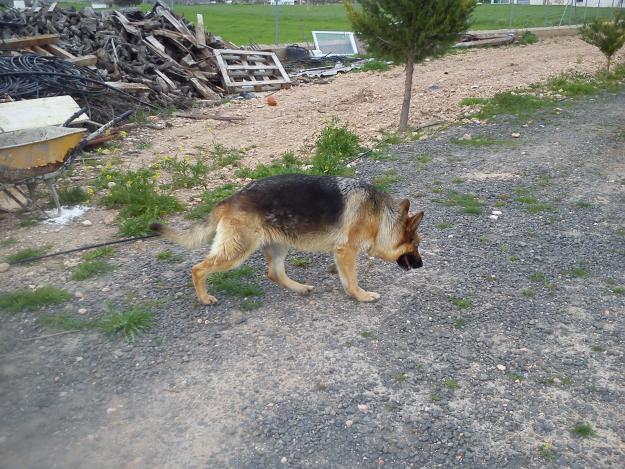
[[249, 70]]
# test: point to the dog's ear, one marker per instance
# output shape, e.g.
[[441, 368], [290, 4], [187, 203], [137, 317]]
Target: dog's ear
[[415, 221], [404, 206]]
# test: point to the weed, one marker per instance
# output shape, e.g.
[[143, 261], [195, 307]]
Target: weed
[[538, 277], [583, 204], [336, 145], [434, 397], [462, 303], [483, 239], [531, 203], [598, 348], [72, 196], [6, 242], [300, 261], [451, 384], [400, 376], [546, 452], [385, 181], [528, 293], [237, 282], [618, 290], [130, 322], [375, 65], [287, 164], [184, 173], [223, 156], [368, 335], [169, 256], [106, 251], [26, 254], [468, 203], [210, 199], [460, 322], [514, 258], [349, 344], [577, 272], [521, 106], [137, 198], [527, 37], [250, 305], [516, 377], [443, 225], [25, 300], [143, 146], [457, 180], [90, 269], [583, 430], [547, 381], [26, 222], [424, 158], [572, 85]]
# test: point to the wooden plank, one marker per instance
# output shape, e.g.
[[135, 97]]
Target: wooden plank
[[29, 41], [52, 7], [41, 51], [127, 24], [167, 33], [128, 87], [156, 43], [58, 51], [200, 32], [84, 60], [166, 79], [203, 90], [40, 112], [252, 67], [180, 26]]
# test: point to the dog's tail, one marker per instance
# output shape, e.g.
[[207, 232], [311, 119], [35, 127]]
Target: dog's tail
[[197, 235]]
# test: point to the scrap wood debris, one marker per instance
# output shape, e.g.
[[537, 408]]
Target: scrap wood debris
[[158, 54]]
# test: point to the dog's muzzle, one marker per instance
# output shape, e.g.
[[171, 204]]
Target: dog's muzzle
[[409, 261]]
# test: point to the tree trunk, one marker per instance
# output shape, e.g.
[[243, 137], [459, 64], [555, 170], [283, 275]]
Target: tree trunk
[[608, 68], [405, 107]]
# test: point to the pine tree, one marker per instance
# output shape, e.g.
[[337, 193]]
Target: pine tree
[[409, 31], [608, 36]]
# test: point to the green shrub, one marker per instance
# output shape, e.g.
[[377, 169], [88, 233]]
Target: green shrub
[[335, 147]]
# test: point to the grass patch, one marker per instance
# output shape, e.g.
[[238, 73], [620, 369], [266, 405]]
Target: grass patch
[[528, 293], [443, 226], [400, 376], [435, 397], [583, 204], [514, 258], [64, 322], [451, 384], [516, 377], [136, 196], [538, 277], [424, 158], [583, 430], [238, 282], [531, 203], [375, 65], [368, 335], [89, 269], [468, 203], [385, 181], [5, 243], [287, 164], [210, 199], [26, 222], [72, 196], [27, 300], [521, 106], [335, 147], [528, 37], [460, 322], [573, 85], [618, 290], [184, 173], [26, 254], [250, 305], [169, 256], [300, 261], [598, 349], [223, 156], [100, 253], [577, 272], [476, 141], [546, 452], [461, 303]]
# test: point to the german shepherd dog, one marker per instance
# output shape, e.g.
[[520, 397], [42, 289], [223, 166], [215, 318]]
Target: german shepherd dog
[[340, 215]]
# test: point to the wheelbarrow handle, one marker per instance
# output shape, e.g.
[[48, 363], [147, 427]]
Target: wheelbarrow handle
[[75, 116], [111, 123]]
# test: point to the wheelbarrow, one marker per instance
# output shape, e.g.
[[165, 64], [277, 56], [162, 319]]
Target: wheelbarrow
[[40, 154]]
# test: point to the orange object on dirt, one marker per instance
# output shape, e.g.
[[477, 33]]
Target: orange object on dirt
[[272, 101]]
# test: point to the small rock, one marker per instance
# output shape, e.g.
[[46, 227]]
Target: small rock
[[79, 294], [349, 423], [515, 135], [79, 359], [110, 410], [87, 223], [200, 321], [363, 407], [501, 367], [4, 267], [283, 460], [466, 137], [496, 212], [105, 289], [111, 184], [82, 311], [493, 217]]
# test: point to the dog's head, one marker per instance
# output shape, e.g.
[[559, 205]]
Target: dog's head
[[408, 245]]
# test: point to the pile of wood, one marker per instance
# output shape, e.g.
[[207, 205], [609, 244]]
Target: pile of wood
[[157, 52]]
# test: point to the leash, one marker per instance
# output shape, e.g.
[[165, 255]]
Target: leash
[[84, 248]]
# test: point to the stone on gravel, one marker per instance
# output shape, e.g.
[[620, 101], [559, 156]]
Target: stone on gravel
[[4, 266]]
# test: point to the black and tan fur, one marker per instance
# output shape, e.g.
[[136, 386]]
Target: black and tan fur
[[343, 216]]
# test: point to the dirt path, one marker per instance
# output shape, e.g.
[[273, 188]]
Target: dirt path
[[510, 335]]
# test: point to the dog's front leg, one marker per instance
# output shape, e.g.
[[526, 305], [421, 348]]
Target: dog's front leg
[[345, 258]]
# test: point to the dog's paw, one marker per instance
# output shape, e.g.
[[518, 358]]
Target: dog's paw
[[368, 296], [208, 300], [306, 289]]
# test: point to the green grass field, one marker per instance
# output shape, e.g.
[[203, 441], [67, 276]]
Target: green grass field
[[244, 23]]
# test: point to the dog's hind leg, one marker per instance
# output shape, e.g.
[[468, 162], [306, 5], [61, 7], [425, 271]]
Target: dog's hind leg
[[230, 249], [345, 257], [275, 255]]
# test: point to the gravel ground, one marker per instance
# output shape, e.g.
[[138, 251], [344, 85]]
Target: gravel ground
[[413, 380]]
